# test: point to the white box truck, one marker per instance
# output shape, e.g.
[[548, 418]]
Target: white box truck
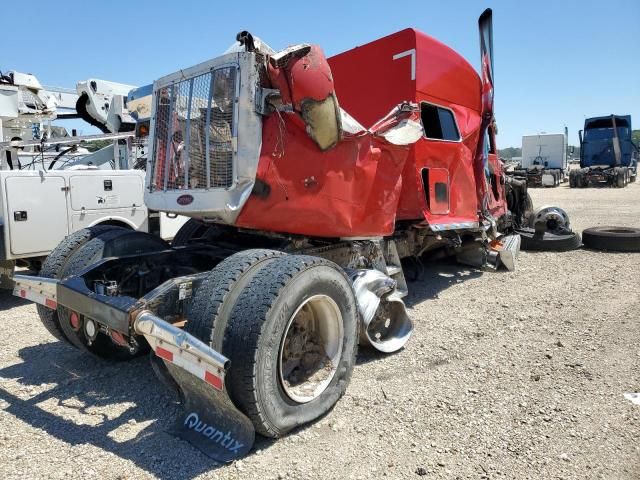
[[544, 160]]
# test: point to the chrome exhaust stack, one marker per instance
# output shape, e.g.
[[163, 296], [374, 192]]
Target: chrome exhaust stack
[[385, 326]]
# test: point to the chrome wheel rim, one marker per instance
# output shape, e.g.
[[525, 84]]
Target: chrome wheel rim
[[311, 348]]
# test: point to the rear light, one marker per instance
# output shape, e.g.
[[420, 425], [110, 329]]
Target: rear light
[[74, 320]]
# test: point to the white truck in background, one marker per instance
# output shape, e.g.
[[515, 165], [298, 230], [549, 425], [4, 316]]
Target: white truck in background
[[51, 185], [39, 209], [544, 160]]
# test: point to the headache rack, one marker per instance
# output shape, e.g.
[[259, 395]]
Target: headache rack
[[195, 132]]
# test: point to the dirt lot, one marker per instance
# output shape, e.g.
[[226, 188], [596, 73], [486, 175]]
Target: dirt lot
[[512, 375]]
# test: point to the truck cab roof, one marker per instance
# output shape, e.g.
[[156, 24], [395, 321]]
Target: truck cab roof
[[406, 65]]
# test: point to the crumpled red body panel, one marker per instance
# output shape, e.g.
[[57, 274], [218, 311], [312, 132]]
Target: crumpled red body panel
[[351, 190]]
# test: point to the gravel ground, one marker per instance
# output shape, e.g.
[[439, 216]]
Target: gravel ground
[[512, 375]]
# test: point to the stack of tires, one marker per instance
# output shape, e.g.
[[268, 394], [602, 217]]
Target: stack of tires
[[548, 230]]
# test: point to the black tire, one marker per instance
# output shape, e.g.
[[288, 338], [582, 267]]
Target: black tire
[[191, 229], [620, 178], [110, 243], [581, 181], [572, 180], [255, 333], [217, 295], [527, 209], [615, 239], [549, 242], [54, 265]]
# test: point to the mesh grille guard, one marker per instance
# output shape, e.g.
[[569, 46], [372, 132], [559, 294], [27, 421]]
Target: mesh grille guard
[[195, 132]]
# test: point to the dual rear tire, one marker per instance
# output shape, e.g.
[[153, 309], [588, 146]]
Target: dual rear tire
[[621, 177], [289, 325]]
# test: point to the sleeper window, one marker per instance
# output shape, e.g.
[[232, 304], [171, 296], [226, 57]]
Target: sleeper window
[[439, 123]]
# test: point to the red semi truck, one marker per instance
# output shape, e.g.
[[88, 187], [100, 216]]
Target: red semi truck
[[309, 181]]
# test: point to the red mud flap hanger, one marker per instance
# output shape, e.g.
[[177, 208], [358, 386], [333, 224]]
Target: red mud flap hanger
[[210, 421]]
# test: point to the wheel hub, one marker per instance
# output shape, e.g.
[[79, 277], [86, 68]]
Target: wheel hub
[[311, 348]]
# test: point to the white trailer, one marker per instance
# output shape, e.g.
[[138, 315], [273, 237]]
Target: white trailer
[[544, 159]]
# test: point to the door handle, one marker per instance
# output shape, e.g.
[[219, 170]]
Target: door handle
[[20, 215]]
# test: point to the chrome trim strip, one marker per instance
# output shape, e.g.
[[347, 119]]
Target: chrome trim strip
[[440, 227]]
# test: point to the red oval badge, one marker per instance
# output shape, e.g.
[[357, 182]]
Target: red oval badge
[[184, 199]]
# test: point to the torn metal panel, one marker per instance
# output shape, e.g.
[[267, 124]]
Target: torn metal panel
[[303, 76], [281, 59], [351, 190], [507, 248], [349, 124], [406, 132]]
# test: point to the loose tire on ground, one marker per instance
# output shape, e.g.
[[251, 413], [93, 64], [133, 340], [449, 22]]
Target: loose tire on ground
[[53, 267], [615, 239], [572, 180], [549, 242], [255, 341], [110, 243], [217, 295]]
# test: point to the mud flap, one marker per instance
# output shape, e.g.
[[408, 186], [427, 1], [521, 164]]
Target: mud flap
[[491, 256], [210, 421]]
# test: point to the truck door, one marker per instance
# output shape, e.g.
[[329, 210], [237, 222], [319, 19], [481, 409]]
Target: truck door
[[444, 163], [37, 211]]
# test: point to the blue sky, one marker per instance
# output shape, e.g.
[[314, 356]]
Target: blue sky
[[556, 62]]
